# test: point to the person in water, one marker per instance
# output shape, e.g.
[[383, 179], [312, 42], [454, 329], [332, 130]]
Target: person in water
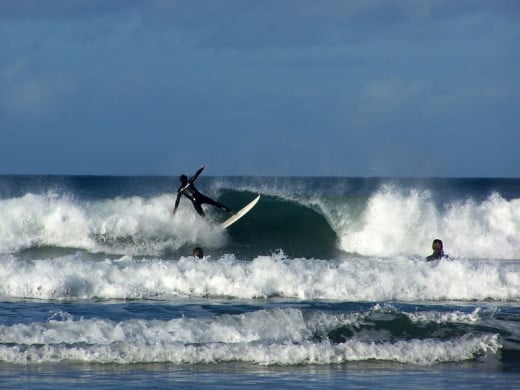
[[198, 252], [188, 189], [438, 251]]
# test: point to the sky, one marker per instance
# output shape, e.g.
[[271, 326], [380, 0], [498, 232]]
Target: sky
[[354, 88]]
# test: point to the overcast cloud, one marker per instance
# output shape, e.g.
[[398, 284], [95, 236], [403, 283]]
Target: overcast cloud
[[288, 87]]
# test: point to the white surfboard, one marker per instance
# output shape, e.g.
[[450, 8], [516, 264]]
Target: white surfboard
[[235, 217]]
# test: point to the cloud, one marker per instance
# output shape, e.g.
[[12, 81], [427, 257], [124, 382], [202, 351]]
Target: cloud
[[61, 9], [23, 96], [267, 24], [13, 70], [390, 102], [333, 76]]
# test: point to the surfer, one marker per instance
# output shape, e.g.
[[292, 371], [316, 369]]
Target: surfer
[[438, 251], [188, 189], [198, 252]]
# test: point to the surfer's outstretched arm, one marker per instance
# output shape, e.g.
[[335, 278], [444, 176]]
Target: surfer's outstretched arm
[[194, 177], [179, 193]]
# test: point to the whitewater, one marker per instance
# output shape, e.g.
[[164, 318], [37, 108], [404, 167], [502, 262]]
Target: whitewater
[[389, 222], [325, 281]]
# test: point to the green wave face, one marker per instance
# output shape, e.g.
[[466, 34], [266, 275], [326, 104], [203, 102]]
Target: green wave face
[[277, 224]]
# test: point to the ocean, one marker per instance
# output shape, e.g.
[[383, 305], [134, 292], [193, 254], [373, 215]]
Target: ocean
[[324, 284]]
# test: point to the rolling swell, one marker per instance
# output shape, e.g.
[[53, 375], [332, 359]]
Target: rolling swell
[[279, 224]]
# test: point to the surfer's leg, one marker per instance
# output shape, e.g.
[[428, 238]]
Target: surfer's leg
[[198, 208], [205, 199], [223, 207]]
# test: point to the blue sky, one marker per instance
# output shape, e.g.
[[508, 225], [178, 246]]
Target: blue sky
[[270, 87]]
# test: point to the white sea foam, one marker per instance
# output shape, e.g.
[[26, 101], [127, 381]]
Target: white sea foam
[[279, 336], [392, 223], [353, 279], [449, 317], [121, 225], [396, 223]]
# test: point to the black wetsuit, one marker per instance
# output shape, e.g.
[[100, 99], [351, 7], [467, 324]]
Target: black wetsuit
[[436, 256], [188, 190]]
